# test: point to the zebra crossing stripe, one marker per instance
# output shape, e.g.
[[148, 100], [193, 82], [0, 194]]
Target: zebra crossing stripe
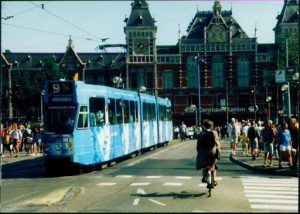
[[274, 207], [272, 196], [273, 201], [270, 192], [270, 184], [271, 188]]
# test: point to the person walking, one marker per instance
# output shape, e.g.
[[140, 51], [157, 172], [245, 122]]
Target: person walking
[[235, 133], [244, 140], [284, 137], [15, 135], [268, 135], [182, 131], [294, 129], [254, 138], [260, 142]]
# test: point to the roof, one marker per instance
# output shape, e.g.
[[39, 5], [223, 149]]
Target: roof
[[140, 14], [204, 19], [289, 13]]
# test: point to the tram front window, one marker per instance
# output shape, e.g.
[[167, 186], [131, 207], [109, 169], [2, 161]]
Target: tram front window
[[61, 120]]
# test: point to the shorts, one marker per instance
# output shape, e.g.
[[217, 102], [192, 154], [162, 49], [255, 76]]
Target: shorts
[[253, 143], [234, 139], [284, 148], [268, 147]]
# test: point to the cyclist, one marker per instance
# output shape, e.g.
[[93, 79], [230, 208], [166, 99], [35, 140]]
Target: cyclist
[[207, 146]]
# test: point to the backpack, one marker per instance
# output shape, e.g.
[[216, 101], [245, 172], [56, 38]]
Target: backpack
[[251, 133], [207, 139], [268, 135]]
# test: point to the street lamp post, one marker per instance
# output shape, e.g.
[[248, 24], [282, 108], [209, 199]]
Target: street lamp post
[[255, 106], [285, 88], [190, 109], [42, 113], [268, 100], [199, 59]]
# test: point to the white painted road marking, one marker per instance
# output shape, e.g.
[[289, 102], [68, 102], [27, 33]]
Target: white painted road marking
[[172, 184], [106, 184], [142, 192], [271, 193], [139, 184], [183, 177]]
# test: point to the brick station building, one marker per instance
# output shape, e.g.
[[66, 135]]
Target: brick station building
[[236, 72]]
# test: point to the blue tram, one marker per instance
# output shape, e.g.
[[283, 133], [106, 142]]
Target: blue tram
[[91, 124]]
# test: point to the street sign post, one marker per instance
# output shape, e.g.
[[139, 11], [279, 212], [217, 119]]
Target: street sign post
[[280, 76]]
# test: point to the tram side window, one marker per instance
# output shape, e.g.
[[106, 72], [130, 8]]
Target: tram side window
[[151, 108], [133, 116], [162, 113], [83, 117], [119, 111], [97, 110], [112, 111], [126, 111], [145, 112], [169, 114]]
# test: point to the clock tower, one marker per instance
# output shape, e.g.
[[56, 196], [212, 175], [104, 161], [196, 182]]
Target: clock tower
[[140, 31]]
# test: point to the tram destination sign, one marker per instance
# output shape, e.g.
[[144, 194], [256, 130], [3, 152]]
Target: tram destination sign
[[60, 88]]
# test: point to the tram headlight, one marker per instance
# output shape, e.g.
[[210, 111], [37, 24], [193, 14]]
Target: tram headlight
[[70, 146], [46, 147]]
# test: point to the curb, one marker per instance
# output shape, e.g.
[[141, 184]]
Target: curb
[[264, 170]]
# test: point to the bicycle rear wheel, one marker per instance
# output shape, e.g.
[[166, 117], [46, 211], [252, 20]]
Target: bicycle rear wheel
[[209, 182]]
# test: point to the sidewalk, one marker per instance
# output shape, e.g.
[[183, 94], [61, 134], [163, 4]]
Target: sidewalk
[[258, 164], [22, 156]]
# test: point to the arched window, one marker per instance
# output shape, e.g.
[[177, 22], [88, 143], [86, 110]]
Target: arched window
[[191, 72], [243, 71], [217, 71]]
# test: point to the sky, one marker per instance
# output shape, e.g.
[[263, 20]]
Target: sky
[[45, 26]]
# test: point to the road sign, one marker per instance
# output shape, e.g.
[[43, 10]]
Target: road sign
[[280, 76], [289, 73]]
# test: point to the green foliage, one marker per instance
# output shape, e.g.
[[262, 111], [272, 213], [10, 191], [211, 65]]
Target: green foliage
[[28, 84], [293, 51]]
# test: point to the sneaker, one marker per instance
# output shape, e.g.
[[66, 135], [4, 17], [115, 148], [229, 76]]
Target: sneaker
[[270, 164], [265, 163]]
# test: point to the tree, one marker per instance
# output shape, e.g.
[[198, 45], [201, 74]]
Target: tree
[[293, 51], [28, 84]]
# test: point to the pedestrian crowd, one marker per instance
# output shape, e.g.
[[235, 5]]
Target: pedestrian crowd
[[18, 137], [267, 140]]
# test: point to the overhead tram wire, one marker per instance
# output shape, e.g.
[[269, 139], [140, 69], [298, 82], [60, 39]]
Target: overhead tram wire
[[76, 26], [27, 10], [49, 32]]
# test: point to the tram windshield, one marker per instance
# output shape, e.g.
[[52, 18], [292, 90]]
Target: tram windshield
[[60, 120]]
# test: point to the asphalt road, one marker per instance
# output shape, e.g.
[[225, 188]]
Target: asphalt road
[[162, 180]]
